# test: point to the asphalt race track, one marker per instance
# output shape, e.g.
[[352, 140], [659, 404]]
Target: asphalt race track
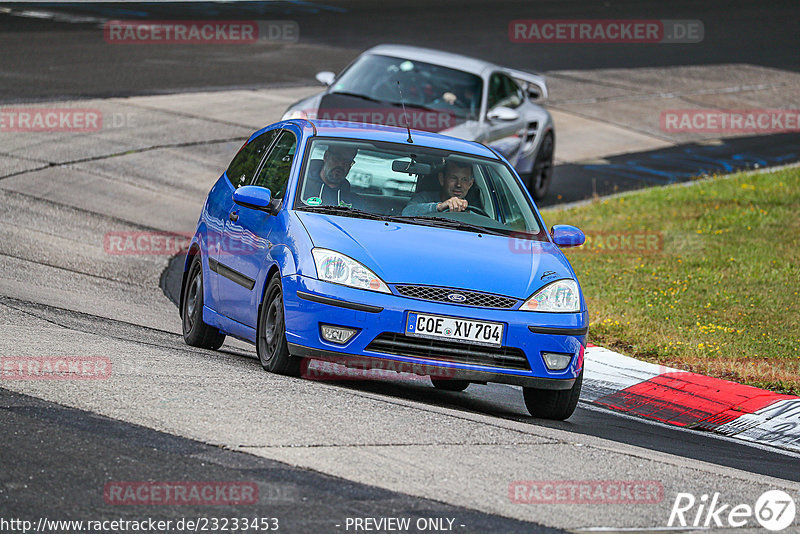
[[91, 446], [71, 61], [322, 452]]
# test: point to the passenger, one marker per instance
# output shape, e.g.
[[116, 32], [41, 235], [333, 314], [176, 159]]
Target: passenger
[[455, 181], [328, 184]]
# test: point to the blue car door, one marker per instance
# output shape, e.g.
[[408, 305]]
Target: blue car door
[[220, 203], [246, 240]]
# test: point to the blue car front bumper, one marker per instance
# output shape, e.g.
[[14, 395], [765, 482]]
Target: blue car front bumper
[[380, 321]]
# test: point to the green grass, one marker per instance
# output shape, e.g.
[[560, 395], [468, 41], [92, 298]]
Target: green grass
[[718, 296]]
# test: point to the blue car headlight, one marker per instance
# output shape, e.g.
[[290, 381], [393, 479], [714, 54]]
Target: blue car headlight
[[559, 296], [335, 267]]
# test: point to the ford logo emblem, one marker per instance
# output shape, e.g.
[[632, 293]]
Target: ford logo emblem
[[456, 297]]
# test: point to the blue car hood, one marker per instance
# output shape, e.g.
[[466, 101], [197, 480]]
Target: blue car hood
[[414, 254]]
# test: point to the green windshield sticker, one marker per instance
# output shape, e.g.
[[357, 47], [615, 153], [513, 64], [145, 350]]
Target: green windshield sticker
[[314, 201], [345, 204]]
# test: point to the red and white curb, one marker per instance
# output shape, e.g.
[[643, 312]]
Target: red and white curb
[[690, 400]]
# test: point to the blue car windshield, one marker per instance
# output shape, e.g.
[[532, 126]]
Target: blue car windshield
[[375, 179], [431, 87]]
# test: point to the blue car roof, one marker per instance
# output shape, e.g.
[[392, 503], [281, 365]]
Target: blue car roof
[[392, 134]]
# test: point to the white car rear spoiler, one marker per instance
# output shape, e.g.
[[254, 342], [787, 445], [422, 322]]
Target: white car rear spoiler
[[528, 79]]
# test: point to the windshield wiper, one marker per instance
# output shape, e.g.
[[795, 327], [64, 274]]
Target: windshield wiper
[[387, 102], [356, 95], [343, 210], [427, 221], [423, 107], [449, 223]]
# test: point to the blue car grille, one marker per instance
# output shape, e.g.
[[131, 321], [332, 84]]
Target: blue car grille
[[416, 347], [467, 298]]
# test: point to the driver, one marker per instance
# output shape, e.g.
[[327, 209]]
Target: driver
[[329, 186], [455, 181]]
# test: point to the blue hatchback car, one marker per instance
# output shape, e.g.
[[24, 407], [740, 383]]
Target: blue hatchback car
[[376, 246]]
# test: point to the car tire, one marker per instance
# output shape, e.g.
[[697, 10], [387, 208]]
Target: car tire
[[271, 344], [195, 332], [539, 180], [446, 384], [553, 404]]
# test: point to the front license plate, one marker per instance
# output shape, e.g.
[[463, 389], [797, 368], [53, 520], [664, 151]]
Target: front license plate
[[455, 329]]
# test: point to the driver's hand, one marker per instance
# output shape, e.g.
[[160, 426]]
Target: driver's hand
[[453, 204], [449, 97]]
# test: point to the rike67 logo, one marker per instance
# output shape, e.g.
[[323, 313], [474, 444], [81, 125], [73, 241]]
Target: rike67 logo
[[774, 510]]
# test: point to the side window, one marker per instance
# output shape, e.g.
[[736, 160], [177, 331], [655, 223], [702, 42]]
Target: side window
[[503, 91], [495, 90], [515, 95], [274, 174], [244, 164], [510, 199]]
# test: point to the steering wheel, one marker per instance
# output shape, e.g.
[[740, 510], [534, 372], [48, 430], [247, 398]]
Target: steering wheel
[[478, 211]]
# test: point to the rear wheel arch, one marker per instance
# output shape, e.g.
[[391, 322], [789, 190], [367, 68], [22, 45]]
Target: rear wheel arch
[[193, 251], [196, 332]]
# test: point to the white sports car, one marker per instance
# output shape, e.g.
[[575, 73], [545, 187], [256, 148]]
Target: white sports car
[[447, 93]]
